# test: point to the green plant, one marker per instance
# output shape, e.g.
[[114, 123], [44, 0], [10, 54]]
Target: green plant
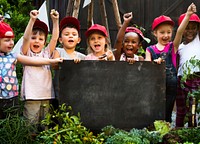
[[191, 64], [15, 129], [19, 14], [65, 128], [134, 136], [188, 135]]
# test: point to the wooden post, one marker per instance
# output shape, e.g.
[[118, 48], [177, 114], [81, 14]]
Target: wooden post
[[116, 13], [90, 14], [70, 7], [76, 8], [104, 16]]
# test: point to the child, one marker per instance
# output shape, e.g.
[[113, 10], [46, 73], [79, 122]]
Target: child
[[98, 44], [187, 49], [37, 87], [69, 38], [8, 60], [165, 50], [129, 40]]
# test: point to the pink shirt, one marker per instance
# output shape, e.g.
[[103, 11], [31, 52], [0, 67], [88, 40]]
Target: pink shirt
[[166, 49]]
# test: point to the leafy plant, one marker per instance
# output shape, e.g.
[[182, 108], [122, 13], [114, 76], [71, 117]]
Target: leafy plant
[[15, 128], [188, 135], [19, 14], [134, 136], [65, 128]]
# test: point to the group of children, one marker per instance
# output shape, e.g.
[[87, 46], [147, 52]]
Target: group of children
[[37, 85]]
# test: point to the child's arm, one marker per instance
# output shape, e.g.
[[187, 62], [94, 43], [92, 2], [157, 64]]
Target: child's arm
[[28, 31], [178, 37], [37, 61], [55, 33], [147, 56], [120, 35], [55, 55]]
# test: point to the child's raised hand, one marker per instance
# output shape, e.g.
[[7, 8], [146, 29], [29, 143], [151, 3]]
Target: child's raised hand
[[191, 9], [54, 14], [128, 16], [34, 14]]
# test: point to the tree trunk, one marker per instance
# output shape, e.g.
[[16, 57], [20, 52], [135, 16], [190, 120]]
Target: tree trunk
[[116, 13]]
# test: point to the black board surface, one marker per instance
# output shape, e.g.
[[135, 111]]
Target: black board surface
[[114, 93]]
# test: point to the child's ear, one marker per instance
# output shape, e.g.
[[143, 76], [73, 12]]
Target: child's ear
[[155, 33], [79, 40], [60, 40]]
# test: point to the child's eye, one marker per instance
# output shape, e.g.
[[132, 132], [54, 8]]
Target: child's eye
[[92, 38], [33, 38], [74, 34]]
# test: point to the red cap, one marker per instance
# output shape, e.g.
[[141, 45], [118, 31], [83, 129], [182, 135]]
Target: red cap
[[41, 25], [6, 31], [96, 27], [69, 21], [162, 19], [193, 18], [135, 30]]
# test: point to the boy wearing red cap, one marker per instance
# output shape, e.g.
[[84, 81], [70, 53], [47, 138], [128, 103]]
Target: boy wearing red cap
[[190, 47], [69, 37], [98, 43], [129, 40], [165, 50], [8, 61], [37, 87]]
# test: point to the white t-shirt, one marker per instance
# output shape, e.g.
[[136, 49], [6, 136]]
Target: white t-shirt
[[37, 80], [186, 52]]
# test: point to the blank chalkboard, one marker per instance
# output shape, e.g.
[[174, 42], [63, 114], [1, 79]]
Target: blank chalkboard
[[114, 92]]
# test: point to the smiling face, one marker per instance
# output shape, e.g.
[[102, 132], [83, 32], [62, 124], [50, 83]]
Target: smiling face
[[69, 38], [190, 32], [131, 44], [163, 33], [37, 41], [97, 43], [6, 45]]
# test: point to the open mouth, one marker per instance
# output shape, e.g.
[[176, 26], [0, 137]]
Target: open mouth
[[96, 46], [70, 41], [36, 46], [129, 49]]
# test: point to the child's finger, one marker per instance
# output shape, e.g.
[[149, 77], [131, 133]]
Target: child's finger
[[54, 12], [34, 12]]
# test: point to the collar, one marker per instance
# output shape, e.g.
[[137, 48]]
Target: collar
[[3, 53]]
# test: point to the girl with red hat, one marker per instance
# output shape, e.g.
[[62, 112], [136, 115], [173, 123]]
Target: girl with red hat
[[129, 40], [190, 47], [98, 43], [165, 50]]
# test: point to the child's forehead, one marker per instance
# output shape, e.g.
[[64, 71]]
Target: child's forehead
[[192, 23], [69, 29], [38, 33]]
